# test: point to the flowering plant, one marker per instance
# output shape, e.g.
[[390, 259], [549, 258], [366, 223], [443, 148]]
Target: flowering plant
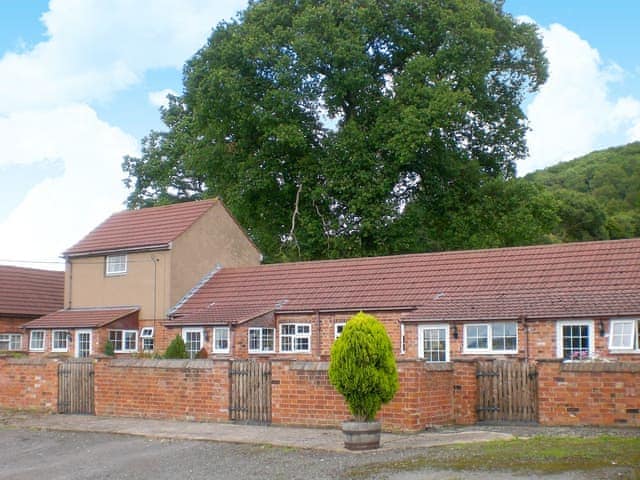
[[580, 355]]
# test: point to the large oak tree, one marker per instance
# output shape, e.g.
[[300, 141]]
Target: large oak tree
[[353, 127]]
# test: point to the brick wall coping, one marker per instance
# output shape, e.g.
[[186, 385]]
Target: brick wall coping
[[438, 366], [310, 366], [199, 364], [620, 367], [31, 361], [316, 366]]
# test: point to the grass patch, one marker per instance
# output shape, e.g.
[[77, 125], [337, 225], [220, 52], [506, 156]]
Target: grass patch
[[542, 455]]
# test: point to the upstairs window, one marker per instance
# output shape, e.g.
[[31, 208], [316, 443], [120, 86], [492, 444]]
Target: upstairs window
[[116, 265], [295, 337]]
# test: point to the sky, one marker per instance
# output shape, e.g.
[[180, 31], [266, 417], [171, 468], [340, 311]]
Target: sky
[[82, 81]]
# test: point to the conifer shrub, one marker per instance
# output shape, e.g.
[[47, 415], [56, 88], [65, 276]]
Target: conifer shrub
[[363, 367], [176, 349], [109, 348]]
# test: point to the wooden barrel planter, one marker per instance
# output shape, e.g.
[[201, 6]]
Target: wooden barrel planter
[[361, 435]]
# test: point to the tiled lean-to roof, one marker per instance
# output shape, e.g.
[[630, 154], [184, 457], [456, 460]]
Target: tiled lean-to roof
[[153, 227], [550, 281], [30, 292], [83, 317]]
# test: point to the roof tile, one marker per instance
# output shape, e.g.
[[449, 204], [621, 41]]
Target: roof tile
[[30, 292]]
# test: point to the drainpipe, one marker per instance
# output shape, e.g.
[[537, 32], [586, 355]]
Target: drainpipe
[[70, 264]]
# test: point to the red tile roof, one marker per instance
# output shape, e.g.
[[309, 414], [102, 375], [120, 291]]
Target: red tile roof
[[549, 281], [30, 292], [82, 317], [144, 228]]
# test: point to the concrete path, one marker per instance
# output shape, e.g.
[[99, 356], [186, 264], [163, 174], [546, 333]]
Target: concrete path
[[309, 438]]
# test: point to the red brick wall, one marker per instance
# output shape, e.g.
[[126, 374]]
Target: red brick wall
[[172, 389], [302, 395], [589, 393], [29, 384], [465, 392]]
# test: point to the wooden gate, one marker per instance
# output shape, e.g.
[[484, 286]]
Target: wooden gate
[[250, 391], [75, 386], [507, 391]]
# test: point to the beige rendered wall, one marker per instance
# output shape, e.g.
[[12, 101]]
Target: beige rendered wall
[[215, 238], [86, 284]]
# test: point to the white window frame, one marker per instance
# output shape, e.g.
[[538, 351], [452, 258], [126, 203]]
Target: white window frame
[[260, 331], [572, 323], [115, 265], [295, 337], [9, 338], [31, 339], [403, 340], [634, 344], [77, 342], [489, 350], [436, 326], [216, 331], [146, 335], [185, 331], [65, 334], [338, 328], [124, 341]]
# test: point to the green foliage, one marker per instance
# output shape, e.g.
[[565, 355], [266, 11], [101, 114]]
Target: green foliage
[[363, 367], [337, 128], [598, 194], [176, 349], [109, 348]]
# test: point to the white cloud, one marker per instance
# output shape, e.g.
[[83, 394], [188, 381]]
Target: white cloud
[[96, 48], [59, 211], [159, 98], [576, 112], [93, 50]]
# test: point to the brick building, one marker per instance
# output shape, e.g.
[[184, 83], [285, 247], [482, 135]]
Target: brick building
[[26, 294]]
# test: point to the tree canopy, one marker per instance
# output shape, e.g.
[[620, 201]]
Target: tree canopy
[[336, 128]]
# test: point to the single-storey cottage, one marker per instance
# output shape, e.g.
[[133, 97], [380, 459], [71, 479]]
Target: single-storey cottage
[[568, 301]]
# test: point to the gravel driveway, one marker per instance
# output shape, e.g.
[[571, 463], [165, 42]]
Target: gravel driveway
[[50, 455]]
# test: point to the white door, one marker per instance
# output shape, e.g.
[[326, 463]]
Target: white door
[[83, 343]]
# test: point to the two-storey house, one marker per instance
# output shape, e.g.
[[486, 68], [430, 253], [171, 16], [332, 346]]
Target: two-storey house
[[123, 277]]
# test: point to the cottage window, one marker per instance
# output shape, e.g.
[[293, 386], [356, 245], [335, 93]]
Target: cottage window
[[295, 337], [337, 329], [36, 340], [60, 341], [124, 341], [575, 340], [261, 340], [193, 338], [221, 340], [495, 337], [433, 343], [625, 335], [116, 265], [10, 341], [146, 334]]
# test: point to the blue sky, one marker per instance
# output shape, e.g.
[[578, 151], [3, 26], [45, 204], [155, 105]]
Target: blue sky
[[81, 82]]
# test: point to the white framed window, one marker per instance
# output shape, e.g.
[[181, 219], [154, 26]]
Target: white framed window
[[60, 341], [494, 337], [83, 343], [146, 335], [261, 340], [10, 341], [574, 339], [624, 335], [433, 343], [337, 329], [36, 340], [124, 341], [221, 340], [193, 340], [116, 265], [403, 342], [295, 337]]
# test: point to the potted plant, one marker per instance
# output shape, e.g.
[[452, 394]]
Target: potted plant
[[363, 369]]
